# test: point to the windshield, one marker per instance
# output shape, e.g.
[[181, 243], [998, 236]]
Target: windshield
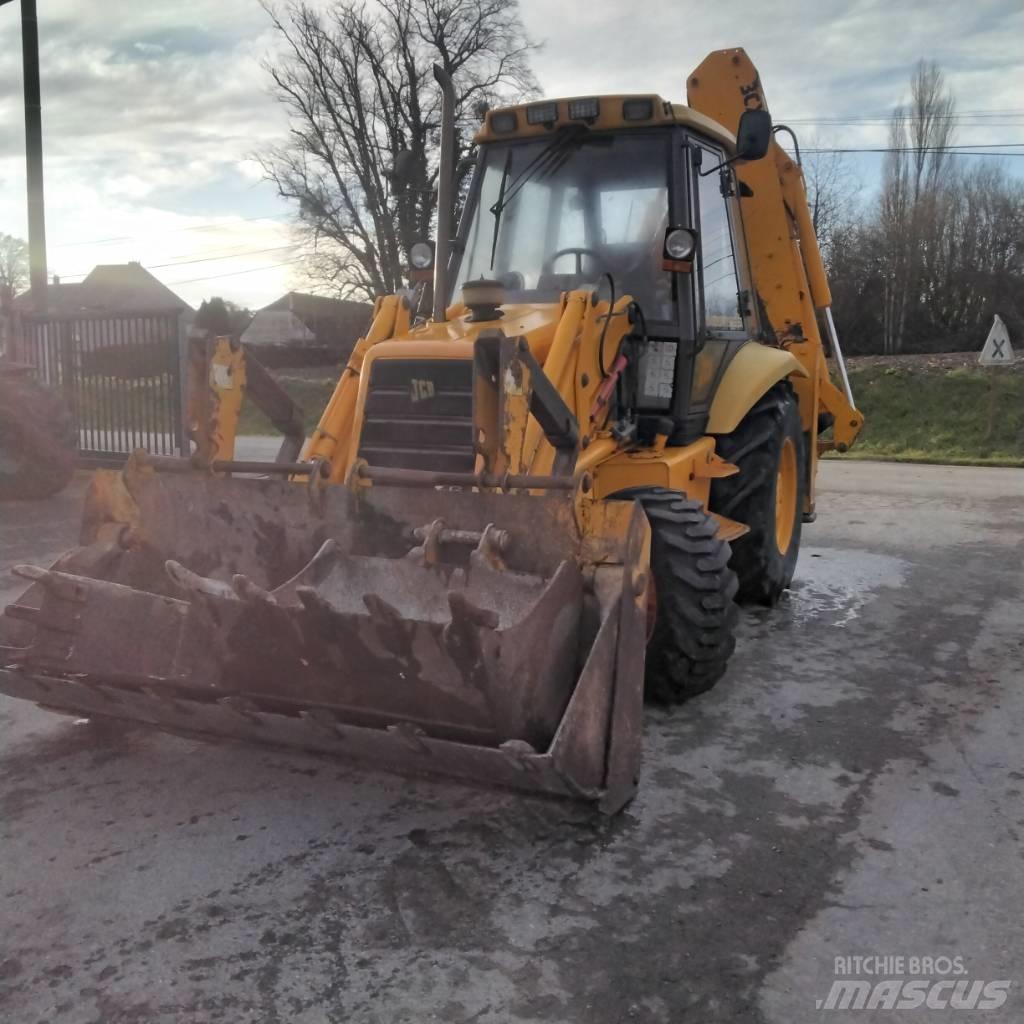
[[555, 214]]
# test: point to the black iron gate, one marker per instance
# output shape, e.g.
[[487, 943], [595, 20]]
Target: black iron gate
[[121, 374]]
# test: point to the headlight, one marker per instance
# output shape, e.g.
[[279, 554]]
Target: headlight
[[680, 244], [637, 109], [421, 255], [542, 113], [504, 121], [584, 109]]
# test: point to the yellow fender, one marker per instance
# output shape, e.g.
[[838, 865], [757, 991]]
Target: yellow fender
[[753, 370]]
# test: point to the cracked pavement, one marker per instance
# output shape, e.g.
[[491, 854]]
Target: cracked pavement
[[852, 787]]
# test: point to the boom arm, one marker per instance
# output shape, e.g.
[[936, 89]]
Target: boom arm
[[785, 262]]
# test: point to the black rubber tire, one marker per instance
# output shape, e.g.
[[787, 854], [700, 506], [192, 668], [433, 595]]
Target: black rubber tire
[[38, 439], [755, 446], [694, 629]]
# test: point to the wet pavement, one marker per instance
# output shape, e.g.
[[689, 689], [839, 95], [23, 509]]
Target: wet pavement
[[852, 788]]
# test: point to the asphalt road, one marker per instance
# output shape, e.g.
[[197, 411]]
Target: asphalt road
[[852, 788]]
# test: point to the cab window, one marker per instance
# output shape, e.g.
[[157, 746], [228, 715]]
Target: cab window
[[719, 283]]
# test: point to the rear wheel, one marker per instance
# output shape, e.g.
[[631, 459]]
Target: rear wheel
[[695, 615], [38, 440], [767, 494]]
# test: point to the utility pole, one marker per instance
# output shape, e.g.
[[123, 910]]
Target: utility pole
[[33, 153]]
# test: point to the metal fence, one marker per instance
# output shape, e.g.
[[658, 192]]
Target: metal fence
[[121, 374]]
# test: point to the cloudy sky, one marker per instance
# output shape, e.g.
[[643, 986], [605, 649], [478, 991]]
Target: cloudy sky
[[152, 109]]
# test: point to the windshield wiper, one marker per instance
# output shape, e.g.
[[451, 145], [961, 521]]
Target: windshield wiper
[[500, 205], [547, 161]]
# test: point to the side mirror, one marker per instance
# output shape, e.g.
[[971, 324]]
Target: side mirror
[[754, 135]]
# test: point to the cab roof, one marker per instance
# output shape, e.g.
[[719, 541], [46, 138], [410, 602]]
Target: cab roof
[[644, 110]]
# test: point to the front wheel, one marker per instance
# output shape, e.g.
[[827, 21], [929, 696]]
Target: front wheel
[[767, 494], [695, 615]]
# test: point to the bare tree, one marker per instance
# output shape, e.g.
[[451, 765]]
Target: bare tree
[[13, 268], [833, 191], [976, 265], [919, 139], [358, 87]]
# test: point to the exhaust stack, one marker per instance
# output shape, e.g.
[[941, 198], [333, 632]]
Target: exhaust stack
[[445, 193]]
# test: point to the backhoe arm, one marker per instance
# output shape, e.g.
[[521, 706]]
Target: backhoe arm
[[785, 262]]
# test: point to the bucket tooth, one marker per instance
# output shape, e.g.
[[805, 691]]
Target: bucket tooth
[[391, 625], [242, 707], [61, 584], [35, 573], [24, 612], [11, 655], [246, 590], [463, 610], [462, 640], [429, 550], [312, 600], [107, 694], [196, 585], [490, 550], [162, 697], [411, 735], [521, 754], [381, 609], [322, 720], [321, 617]]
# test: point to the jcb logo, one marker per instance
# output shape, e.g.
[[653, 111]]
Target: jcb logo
[[752, 98], [421, 390]]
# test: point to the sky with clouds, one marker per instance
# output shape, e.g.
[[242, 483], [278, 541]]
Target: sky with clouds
[[152, 110]]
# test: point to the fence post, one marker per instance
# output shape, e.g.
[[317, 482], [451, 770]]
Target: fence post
[[182, 417], [16, 338], [65, 342]]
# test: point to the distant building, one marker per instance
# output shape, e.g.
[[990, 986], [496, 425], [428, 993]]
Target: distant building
[[140, 339], [300, 329], [109, 288]]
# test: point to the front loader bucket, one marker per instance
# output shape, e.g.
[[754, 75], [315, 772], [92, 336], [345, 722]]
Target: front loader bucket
[[429, 631]]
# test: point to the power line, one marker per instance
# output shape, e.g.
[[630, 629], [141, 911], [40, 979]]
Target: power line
[[1005, 122], [210, 226], [201, 259], [980, 116], [871, 125], [236, 273], [950, 150]]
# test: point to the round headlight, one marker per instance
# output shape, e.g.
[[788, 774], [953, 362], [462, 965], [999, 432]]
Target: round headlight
[[680, 244], [421, 255]]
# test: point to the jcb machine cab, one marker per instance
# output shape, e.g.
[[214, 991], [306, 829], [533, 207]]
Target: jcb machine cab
[[516, 513]]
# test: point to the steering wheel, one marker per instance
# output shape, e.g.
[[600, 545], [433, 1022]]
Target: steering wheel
[[578, 250]]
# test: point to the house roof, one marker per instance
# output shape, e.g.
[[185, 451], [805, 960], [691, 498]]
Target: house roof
[[304, 306], [110, 287], [332, 321], [277, 327]]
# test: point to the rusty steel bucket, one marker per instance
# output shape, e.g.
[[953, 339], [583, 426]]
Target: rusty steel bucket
[[432, 631]]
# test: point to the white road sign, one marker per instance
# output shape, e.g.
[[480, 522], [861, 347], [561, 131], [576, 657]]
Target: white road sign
[[997, 350]]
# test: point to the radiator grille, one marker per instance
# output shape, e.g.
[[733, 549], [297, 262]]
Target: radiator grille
[[419, 415]]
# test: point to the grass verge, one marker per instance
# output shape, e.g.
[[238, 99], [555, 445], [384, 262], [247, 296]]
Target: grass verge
[[962, 416]]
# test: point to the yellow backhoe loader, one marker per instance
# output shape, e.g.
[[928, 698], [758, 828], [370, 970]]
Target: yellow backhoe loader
[[517, 514]]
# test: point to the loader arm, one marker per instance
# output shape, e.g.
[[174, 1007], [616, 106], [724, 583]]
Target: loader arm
[[785, 261]]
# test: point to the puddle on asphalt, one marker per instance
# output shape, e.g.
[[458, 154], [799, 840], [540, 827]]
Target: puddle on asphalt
[[838, 582]]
